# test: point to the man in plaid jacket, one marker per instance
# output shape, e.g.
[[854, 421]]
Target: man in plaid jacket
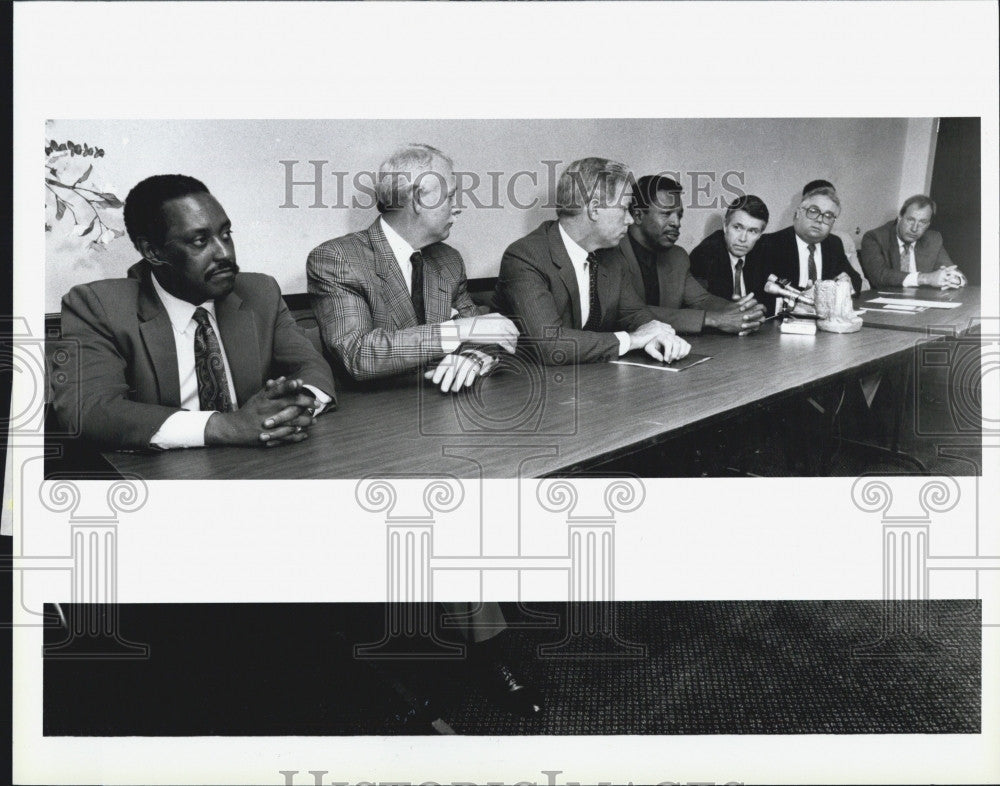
[[393, 297]]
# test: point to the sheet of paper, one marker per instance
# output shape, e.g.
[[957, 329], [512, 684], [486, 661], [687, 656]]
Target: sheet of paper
[[692, 359], [902, 301]]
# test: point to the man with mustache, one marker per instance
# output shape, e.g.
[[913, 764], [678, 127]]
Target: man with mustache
[[186, 351], [661, 269], [574, 306], [905, 252]]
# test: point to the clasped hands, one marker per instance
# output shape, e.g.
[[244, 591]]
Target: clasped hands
[[944, 278], [742, 317], [278, 414]]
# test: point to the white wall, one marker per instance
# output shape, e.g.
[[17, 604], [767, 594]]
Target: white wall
[[871, 161]]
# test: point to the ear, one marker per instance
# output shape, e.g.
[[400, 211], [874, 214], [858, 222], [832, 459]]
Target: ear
[[152, 254], [636, 213], [592, 206]]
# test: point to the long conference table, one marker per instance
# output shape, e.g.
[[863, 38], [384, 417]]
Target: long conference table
[[532, 421]]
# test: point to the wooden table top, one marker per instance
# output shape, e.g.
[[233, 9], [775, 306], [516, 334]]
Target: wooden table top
[[932, 321], [536, 421]]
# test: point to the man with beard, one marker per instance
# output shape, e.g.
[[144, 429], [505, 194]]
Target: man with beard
[[186, 351]]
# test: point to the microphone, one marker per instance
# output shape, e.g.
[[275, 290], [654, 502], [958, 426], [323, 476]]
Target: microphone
[[774, 286]]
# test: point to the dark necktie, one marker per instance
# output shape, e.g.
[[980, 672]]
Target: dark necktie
[[812, 262], [213, 390], [906, 258], [594, 318], [417, 286], [738, 278]]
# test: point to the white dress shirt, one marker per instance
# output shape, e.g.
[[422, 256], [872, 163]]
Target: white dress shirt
[[402, 251], [187, 429], [804, 261], [908, 265], [732, 268], [578, 256]]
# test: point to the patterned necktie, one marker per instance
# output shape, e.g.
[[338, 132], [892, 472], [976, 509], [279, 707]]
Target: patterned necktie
[[213, 390], [594, 318], [812, 262], [738, 278], [907, 259], [417, 286]]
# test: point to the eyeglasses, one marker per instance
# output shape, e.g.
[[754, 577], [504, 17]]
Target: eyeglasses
[[814, 214]]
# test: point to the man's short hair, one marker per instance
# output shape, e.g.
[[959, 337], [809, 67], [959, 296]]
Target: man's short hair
[[587, 179], [828, 191], [750, 204], [648, 186], [399, 172], [813, 185], [143, 211], [920, 201]]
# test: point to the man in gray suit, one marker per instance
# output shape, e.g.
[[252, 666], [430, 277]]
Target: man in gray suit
[[393, 297], [661, 270], [906, 252], [554, 284]]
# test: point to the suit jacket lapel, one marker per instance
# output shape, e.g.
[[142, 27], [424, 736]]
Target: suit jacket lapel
[[437, 292], [564, 267], [242, 345], [397, 295], [158, 338], [895, 261]]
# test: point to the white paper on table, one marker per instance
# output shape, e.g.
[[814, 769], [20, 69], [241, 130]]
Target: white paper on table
[[902, 301]]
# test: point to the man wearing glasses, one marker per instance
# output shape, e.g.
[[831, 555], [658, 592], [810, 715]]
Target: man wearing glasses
[[806, 251], [906, 253]]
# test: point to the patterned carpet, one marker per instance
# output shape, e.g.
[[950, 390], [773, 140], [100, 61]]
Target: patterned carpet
[[733, 667]]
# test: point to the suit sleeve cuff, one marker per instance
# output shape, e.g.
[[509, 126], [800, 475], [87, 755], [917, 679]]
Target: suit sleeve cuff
[[911, 279], [449, 337], [322, 399], [182, 430], [624, 342]]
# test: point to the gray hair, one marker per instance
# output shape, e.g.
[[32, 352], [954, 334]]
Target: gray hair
[[920, 201], [829, 192], [399, 173], [587, 179]]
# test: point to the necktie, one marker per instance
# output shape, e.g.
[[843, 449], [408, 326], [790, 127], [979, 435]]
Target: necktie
[[738, 278], [812, 262], [417, 286], [213, 390], [594, 318], [907, 259]]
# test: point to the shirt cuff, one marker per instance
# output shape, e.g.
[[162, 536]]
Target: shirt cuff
[[624, 342], [322, 399], [182, 430], [911, 279], [449, 337]]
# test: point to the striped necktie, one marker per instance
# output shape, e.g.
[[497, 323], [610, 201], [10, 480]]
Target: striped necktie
[[812, 262]]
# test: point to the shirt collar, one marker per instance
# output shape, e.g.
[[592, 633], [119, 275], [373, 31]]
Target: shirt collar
[[577, 255], [180, 311], [804, 246], [733, 260], [400, 248]]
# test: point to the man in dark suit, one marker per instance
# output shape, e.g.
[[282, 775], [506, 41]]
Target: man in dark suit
[[661, 270], [186, 351], [720, 260], [906, 253], [806, 251], [552, 282], [393, 298]]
